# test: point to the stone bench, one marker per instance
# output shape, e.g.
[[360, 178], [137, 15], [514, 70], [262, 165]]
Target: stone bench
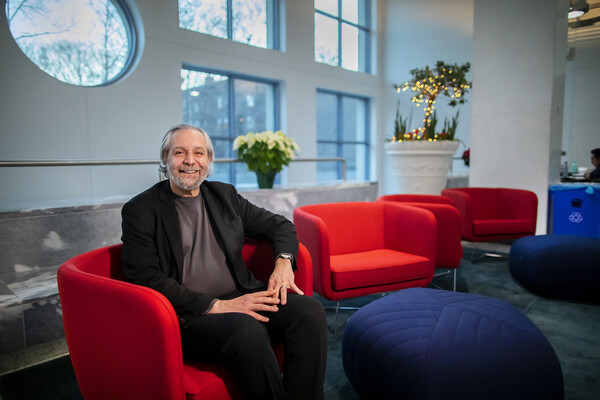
[[33, 244]]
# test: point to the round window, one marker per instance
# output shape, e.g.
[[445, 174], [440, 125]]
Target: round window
[[83, 43]]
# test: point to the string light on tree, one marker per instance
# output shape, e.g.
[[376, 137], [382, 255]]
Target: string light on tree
[[427, 84]]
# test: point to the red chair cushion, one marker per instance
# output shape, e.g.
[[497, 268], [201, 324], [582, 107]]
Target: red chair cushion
[[208, 381], [212, 381], [483, 227], [344, 227], [376, 267]]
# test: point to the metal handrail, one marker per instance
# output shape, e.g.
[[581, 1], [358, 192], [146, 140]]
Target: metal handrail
[[73, 163], [85, 163]]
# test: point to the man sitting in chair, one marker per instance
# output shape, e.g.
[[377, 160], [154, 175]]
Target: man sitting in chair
[[183, 237], [594, 175]]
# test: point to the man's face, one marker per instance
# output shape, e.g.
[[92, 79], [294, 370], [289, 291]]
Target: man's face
[[187, 162], [595, 161]]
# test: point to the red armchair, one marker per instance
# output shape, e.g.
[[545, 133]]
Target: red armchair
[[493, 214], [449, 249], [124, 339], [361, 248]]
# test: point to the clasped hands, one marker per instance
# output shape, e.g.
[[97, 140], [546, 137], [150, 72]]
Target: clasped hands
[[280, 282]]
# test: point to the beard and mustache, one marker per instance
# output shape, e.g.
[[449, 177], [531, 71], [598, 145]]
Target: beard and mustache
[[184, 180]]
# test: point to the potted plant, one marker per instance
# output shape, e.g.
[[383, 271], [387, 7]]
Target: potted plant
[[422, 157], [265, 153]]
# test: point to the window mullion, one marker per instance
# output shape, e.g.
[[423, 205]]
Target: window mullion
[[339, 18], [230, 19], [273, 23], [232, 123], [340, 132], [326, 14], [367, 172], [368, 42]]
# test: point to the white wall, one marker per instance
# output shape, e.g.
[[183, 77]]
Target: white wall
[[42, 118], [518, 74], [420, 33], [511, 102], [582, 97]]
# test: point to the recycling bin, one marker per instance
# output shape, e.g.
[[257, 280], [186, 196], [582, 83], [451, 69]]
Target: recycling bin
[[574, 208]]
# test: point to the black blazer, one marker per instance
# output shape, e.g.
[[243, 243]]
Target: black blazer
[[152, 245]]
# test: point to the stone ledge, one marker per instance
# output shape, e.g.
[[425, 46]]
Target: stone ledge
[[30, 312], [35, 242], [32, 356]]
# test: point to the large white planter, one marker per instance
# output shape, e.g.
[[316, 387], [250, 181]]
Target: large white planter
[[421, 167]]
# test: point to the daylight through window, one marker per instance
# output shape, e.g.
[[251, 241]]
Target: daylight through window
[[251, 22], [343, 33], [226, 106], [342, 131], [84, 43]]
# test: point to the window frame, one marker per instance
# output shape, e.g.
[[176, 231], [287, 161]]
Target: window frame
[[134, 32], [364, 28], [231, 78], [273, 26], [339, 142]]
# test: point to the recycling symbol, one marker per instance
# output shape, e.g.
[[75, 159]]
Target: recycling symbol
[[576, 217]]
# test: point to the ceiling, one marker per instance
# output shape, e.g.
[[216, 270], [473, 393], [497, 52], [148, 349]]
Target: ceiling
[[586, 27]]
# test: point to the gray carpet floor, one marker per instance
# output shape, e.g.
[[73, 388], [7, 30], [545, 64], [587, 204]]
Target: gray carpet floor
[[573, 329]]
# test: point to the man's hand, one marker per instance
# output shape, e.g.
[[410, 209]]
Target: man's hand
[[250, 304], [282, 280]]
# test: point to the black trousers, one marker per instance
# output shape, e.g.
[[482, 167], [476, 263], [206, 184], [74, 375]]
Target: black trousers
[[243, 344]]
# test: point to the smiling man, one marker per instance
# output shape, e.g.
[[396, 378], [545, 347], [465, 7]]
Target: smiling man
[[183, 237]]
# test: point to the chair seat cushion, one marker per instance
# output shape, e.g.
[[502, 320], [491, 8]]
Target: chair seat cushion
[[375, 267], [482, 227], [205, 380]]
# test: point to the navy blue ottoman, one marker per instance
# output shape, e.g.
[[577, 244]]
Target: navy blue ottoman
[[433, 344], [561, 266]]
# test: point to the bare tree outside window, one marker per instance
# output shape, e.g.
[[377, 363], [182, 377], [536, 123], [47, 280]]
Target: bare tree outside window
[[204, 16], [343, 33], [249, 22], [244, 21], [84, 43]]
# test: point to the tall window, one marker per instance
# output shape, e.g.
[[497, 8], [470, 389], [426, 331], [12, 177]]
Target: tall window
[[83, 43], [251, 22], [228, 105], [343, 33], [342, 131]]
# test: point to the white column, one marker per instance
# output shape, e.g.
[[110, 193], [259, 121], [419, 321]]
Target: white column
[[519, 61]]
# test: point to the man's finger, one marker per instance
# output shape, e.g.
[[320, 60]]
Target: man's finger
[[259, 317], [295, 289]]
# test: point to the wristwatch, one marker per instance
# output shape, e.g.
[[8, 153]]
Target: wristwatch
[[287, 256]]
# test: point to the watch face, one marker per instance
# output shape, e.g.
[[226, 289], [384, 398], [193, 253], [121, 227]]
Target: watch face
[[285, 255]]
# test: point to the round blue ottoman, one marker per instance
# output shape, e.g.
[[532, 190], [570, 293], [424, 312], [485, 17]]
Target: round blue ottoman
[[561, 266], [434, 344]]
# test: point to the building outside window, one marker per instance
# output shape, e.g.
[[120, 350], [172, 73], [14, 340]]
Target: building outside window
[[342, 131], [252, 22], [343, 33], [226, 106], [82, 43]]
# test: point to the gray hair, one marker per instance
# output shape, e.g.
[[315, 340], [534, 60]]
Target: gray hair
[[166, 143]]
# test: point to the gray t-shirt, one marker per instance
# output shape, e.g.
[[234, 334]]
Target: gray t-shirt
[[204, 265]]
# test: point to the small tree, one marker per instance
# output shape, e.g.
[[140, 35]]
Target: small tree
[[427, 84]]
